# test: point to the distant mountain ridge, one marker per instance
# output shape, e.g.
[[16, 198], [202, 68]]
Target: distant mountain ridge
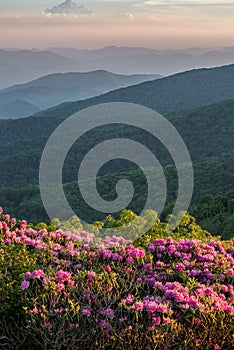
[[19, 66], [26, 99], [129, 60]]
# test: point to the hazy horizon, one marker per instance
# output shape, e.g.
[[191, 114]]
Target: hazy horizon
[[179, 48], [157, 24]]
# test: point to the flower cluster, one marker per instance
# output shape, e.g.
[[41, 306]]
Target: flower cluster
[[116, 286]]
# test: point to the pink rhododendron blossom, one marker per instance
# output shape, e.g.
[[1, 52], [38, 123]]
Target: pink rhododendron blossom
[[59, 287], [139, 306], [48, 325], [86, 312], [91, 275], [129, 299], [37, 274], [25, 284]]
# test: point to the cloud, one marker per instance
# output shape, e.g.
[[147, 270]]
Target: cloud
[[129, 16], [68, 7], [121, 17], [188, 3]]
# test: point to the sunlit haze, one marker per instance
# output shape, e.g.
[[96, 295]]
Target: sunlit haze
[[93, 24]]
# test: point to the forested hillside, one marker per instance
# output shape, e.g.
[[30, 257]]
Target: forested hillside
[[213, 176], [207, 132]]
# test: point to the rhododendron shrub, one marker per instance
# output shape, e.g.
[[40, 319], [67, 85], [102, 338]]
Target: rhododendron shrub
[[71, 290]]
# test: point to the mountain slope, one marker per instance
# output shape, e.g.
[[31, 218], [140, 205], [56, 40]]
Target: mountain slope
[[209, 179], [207, 132], [25, 99], [186, 90], [181, 91]]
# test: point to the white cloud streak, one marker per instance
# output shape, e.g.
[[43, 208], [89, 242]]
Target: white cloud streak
[[188, 3]]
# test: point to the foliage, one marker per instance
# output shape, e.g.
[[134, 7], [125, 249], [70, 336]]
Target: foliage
[[73, 290], [209, 180], [22, 141], [216, 214], [69, 225]]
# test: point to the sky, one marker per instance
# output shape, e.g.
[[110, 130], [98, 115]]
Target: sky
[[97, 23]]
